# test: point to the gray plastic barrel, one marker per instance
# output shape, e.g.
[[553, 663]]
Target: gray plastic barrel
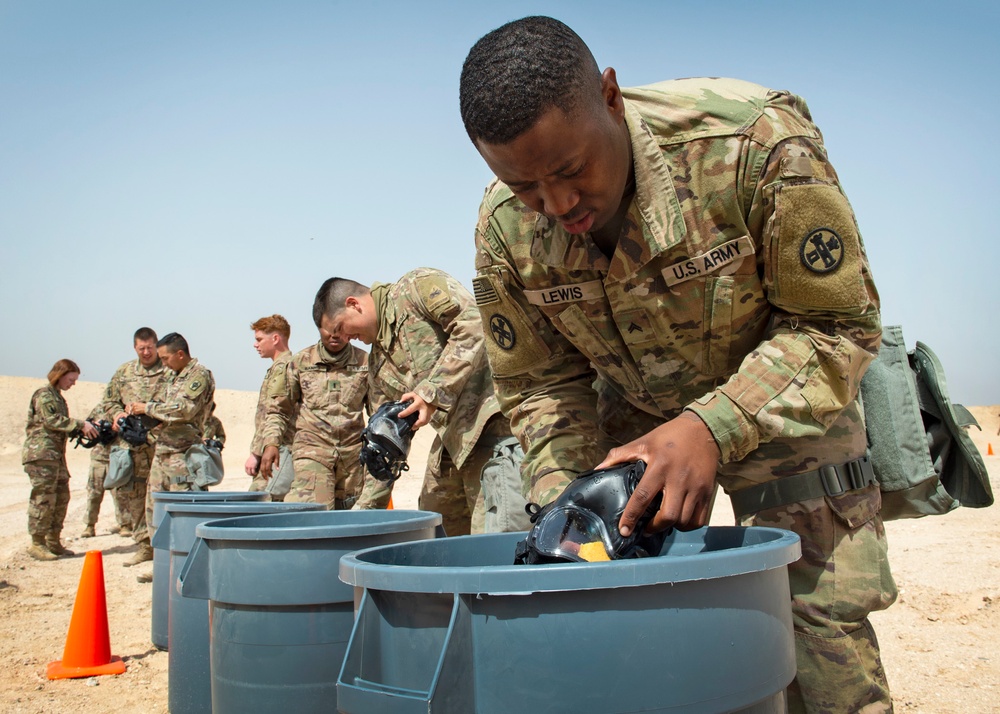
[[280, 616], [189, 682], [451, 626], [161, 556]]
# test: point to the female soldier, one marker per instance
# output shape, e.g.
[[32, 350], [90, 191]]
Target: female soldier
[[44, 459]]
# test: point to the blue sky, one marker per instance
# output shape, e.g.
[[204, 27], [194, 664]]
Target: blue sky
[[193, 166]]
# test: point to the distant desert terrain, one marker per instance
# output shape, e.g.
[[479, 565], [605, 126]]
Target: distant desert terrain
[[938, 640]]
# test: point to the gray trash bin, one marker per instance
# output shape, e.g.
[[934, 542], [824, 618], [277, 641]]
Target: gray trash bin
[[161, 556], [189, 683], [280, 617], [451, 626]]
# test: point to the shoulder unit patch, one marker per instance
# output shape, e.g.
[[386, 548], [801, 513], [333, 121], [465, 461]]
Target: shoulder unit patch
[[502, 332], [821, 250]]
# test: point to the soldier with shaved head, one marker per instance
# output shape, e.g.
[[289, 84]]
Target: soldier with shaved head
[[678, 264]]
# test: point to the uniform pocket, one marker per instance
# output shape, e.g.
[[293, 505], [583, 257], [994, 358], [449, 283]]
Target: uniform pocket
[[613, 361]]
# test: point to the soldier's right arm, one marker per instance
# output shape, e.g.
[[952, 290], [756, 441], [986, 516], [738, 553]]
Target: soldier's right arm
[[111, 403], [284, 392], [543, 384]]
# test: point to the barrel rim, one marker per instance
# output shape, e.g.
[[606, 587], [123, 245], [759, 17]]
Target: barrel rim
[[779, 548], [253, 528]]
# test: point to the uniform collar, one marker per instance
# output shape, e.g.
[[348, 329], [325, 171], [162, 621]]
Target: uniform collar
[[653, 223], [338, 359], [188, 367], [385, 313], [156, 368]]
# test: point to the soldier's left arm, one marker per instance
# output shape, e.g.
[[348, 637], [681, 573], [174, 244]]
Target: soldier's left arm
[[188, 401], [53, 418], [215, 430], [825, 327], [444, 301]]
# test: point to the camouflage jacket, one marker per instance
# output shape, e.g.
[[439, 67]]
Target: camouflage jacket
[[278, 367], [322, 397], [131, 382], [739, 290], [48, 427], [183, 403], [101, 453], [430, 341], [214, 429]]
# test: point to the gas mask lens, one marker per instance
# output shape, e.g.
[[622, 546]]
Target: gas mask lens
[[575, 534]]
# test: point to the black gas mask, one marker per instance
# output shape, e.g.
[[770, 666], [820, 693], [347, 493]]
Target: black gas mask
[[385, 442], [581, 525], [105, 435], [135, 428]]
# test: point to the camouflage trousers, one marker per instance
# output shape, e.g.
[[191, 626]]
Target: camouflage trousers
[[337, 486], [133, 494], [95, 496], [842, 576], [455, 493], [168, 472], [49, 497]]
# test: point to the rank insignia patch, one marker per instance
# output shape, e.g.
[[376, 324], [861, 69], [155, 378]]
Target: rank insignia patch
[[502, 331], [822, 250]]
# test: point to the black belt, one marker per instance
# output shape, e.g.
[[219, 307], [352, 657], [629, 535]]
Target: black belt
[[830, 480]]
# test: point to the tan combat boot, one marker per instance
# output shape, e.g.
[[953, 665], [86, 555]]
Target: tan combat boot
[[88, 532], [125, 532], [145, 553], [53, 543], [113, 529], [38, 551]]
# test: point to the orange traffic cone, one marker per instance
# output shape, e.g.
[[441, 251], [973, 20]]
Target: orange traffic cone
[[88, 647], [989, 449], [389, 507]]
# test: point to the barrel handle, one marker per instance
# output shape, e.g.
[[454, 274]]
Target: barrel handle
[[452, 674], [161, 538], [193, 580]]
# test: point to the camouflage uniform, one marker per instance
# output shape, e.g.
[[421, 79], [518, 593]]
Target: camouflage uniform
[[320, 397], [214, 430], [99, 458], [100, 455], [44, 460], [430, 341], [182, 403], [132, 382], [739, 290], [278, 367]]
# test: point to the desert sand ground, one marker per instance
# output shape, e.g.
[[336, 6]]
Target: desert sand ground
[[937, 640]]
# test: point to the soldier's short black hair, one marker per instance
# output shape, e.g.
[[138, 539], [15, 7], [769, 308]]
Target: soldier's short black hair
[[332, 295], [144, 333], [173, 342], [519, 71]]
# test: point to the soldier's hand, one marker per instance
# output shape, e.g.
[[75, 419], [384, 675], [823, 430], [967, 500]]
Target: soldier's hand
[[137, 408], [89, 430], [269, 461], [252, 466], [681, 460], [114, 422], [425, 410]]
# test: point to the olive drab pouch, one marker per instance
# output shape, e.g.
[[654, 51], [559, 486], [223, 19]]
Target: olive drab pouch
[[922, 456], [503, 489], [120, 468], [280, 482], [205, 465]]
